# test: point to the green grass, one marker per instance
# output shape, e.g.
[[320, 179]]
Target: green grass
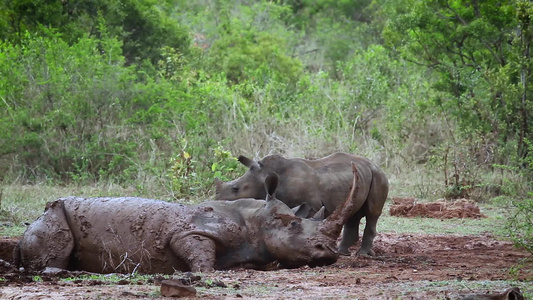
[[10, 230], [114, 278]]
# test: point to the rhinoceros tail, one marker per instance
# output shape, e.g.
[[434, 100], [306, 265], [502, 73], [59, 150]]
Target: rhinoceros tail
[[378, 191]]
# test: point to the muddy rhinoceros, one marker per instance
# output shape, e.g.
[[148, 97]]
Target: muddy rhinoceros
[[149, 236], [324, 181]]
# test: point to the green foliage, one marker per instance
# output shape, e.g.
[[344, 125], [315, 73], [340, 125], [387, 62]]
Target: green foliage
[[244, 50], [479, 50], [187, 176], [182, 174], [140, 25], [520, 224], [61, 113], [226, 165]]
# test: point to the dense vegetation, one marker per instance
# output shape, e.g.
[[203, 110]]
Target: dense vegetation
[[165, 93]]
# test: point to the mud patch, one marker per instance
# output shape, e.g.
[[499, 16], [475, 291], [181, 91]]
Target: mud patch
[[442, 209], [6, 248]]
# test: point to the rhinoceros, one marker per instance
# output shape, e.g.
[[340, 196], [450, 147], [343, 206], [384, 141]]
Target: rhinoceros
[[148, 236], [321, 182]]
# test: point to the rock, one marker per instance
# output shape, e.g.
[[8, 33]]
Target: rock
[[174, 288], [510, 294], [54, 271]]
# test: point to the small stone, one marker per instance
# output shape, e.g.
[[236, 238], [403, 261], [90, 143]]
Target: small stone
[[53, 271], [174, 288]]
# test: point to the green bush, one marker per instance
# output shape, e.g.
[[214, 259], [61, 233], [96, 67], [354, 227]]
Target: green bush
[[142, 26], [520, 224], [64, 113]]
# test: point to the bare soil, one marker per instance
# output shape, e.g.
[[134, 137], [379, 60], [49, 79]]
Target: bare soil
[[406, 266]]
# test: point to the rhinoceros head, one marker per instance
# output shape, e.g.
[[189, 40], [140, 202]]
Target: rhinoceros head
[[250, 185], [295, 241]]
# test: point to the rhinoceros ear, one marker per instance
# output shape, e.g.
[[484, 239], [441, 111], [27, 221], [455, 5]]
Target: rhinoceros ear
[[301, 210], [271, 184], [319, 214], [218, 183], [250, 163]]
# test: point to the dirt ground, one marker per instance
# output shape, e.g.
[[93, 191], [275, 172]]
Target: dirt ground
[[406, 266]]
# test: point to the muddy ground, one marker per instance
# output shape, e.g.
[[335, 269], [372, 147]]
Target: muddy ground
[[407, 266]]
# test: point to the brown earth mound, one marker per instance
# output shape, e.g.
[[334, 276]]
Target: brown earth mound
[[442, 209]]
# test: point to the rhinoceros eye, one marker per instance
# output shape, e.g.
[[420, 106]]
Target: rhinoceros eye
[[234, 190], [295, 226]]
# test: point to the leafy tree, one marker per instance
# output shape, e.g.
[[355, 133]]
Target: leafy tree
[[64, 98], [141, 25], [481, 51], [333, 30]]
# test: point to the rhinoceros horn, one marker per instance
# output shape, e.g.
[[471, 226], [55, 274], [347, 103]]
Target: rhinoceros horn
[[319, 215], [332, 225], [301, 210]]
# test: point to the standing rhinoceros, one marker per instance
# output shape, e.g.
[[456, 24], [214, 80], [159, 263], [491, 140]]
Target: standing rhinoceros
[[150, 236], [324, 181]]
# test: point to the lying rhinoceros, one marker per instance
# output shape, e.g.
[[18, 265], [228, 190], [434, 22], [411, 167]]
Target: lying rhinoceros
[[148, 236], [324, 181]]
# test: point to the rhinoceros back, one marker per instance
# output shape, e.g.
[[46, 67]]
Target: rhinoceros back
[[124, 234]]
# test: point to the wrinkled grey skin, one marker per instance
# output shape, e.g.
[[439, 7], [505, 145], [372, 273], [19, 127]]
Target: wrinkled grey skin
[[149, 236], [324, 181]]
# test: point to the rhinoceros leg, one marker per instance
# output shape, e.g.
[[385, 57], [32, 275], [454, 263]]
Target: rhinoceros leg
[[350, 234], [368, 236], [196, 250]]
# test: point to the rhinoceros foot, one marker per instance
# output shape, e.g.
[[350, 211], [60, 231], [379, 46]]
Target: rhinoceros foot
[[344, 252], [364, 252]]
